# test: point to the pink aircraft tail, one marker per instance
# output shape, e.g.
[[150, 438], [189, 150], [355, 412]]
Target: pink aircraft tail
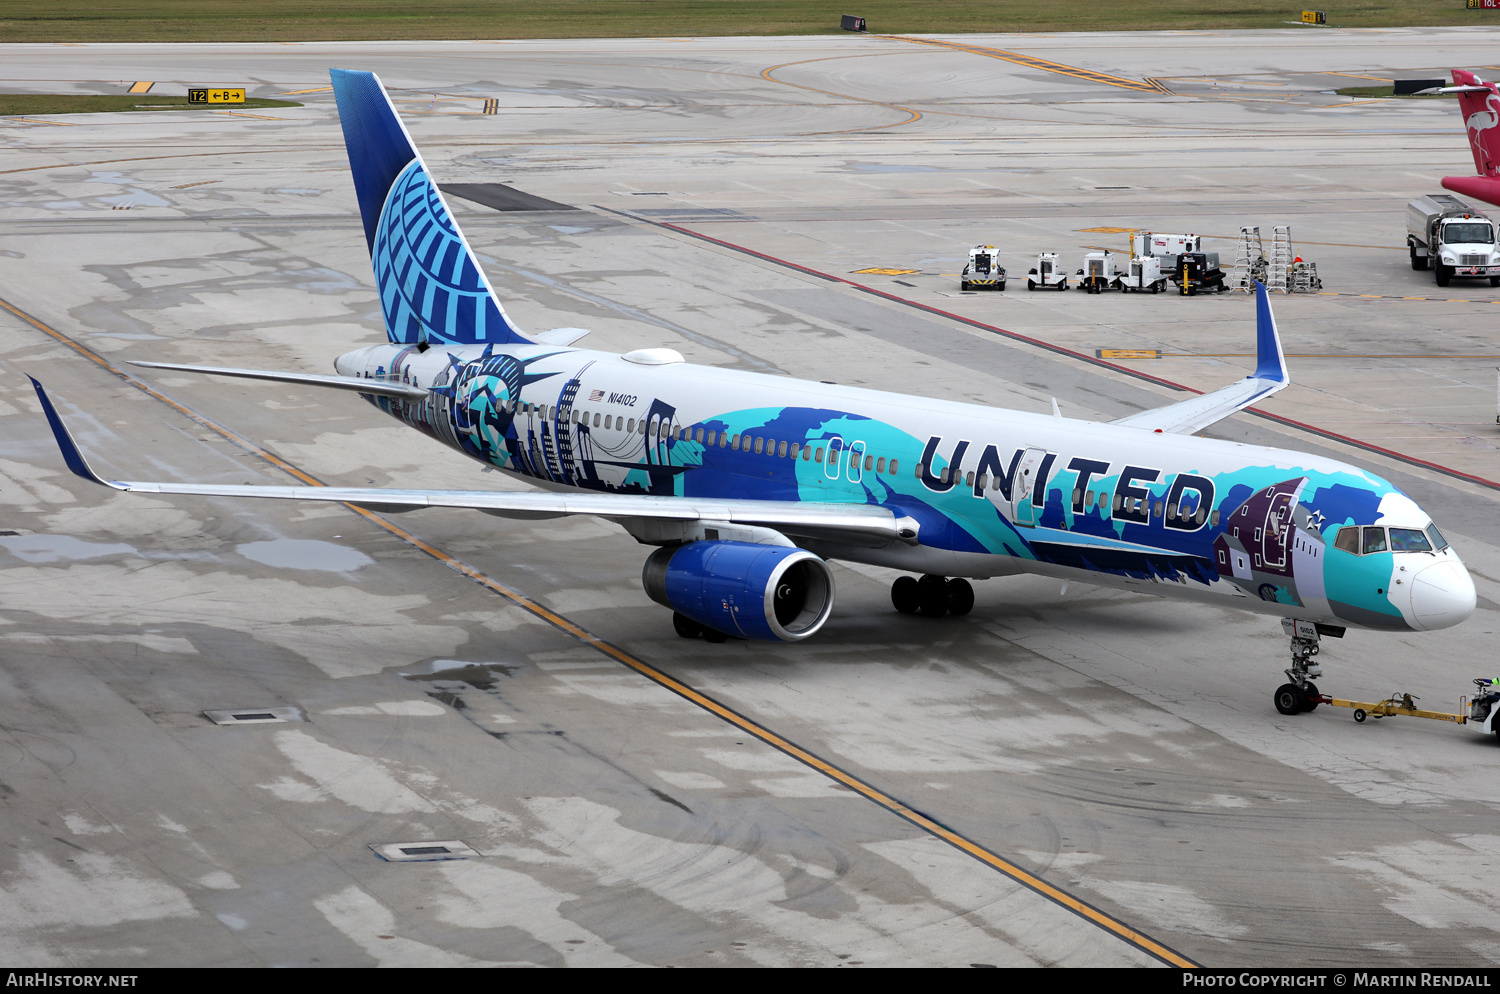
[[1481, 110]]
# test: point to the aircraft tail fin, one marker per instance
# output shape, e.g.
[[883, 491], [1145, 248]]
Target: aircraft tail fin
[[430, 284], [1479, 102]]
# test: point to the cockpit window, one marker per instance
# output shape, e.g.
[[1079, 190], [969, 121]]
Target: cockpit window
[[1374, 541], [1409, 540], [1347, 540], [1438, 541]]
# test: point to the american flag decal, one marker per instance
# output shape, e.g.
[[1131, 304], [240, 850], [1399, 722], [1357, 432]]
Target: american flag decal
[[597, 395]]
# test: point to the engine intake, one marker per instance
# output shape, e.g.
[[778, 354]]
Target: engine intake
[[766, 592]]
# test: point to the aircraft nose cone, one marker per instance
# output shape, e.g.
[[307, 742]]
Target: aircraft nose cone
[[1442, 595]]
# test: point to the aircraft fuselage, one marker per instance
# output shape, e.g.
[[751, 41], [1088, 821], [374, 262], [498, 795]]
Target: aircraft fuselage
[[994, 491]]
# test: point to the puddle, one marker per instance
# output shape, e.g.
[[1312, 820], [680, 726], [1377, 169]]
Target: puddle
[[296, 553], [60, 548], [480, 676]]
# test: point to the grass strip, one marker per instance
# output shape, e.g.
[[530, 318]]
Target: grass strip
[[36, 104], [354, 20]]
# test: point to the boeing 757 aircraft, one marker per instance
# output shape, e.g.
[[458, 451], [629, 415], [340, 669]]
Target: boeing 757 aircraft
[[749, 483]]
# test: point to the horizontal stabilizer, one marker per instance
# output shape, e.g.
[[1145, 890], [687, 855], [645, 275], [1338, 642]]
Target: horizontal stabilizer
[[1194, 415], [380, 388]]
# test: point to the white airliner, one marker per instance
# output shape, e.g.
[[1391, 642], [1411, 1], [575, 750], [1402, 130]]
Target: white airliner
[[749, 483]]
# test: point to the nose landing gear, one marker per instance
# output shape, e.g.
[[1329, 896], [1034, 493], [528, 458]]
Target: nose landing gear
[[1302, 694]]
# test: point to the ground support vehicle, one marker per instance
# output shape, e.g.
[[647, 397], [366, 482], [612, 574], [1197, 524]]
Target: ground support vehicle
[[983, 270], [1144, 275], [1481, 714], [1098, 272], [1454, 239], [1166, 249], [1046, 273], [1199, 272]]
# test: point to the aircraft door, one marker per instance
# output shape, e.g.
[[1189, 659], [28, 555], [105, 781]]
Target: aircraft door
[[856, 457], [1022, 485], [831, 461]]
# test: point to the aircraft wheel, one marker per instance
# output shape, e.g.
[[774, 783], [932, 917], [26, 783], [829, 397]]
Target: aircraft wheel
[[714, 635], [933, 592], [1290, 699], [960, 597], [906, 595], [686, 627], [1312, 696]]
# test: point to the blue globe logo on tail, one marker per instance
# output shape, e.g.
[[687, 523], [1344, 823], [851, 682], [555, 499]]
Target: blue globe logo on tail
[[431, 287]]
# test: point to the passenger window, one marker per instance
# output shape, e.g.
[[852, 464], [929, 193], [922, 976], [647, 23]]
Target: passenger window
[[1374, 540], [818, 457], [1077, 494], [735, 443], [1409, 540], [609, 421], [807, 453], [1214, 519], [760, 446], [795, 449], [781, 450], [893, 467], [1158, 509], [700, 436]]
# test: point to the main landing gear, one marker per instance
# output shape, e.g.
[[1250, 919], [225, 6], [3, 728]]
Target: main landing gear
[[690, 629], [933, 596], [1301, 694]]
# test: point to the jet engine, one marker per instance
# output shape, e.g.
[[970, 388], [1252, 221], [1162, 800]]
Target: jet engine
[[767, 592]]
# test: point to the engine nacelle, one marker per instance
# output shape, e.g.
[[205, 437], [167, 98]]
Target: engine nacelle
[[766, 592]]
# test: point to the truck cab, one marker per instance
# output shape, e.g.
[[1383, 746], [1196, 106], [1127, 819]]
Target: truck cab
[[1452, 238]]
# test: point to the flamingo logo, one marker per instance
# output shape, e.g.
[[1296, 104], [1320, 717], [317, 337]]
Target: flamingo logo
[[1481, 121]]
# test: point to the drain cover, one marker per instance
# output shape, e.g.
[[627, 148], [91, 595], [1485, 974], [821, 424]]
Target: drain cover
[[413, 852], [252, 716]]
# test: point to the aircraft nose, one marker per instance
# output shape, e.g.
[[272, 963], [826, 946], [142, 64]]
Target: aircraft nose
[[1442, 595]]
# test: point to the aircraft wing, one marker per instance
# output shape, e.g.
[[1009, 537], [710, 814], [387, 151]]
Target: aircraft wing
[[857, 524], [383, 388], [1193, 415]]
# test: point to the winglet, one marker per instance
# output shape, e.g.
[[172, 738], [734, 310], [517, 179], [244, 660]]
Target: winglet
[[71, 455], [1270, 362]]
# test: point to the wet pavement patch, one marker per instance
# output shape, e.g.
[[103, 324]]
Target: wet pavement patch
[[297, 553], [61, 548]]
